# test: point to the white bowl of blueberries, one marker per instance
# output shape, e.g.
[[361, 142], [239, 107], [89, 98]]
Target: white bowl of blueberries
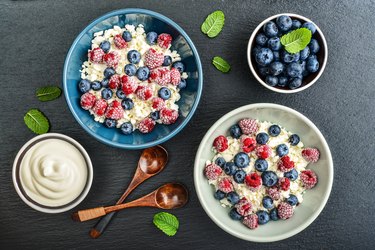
[[287, 53]]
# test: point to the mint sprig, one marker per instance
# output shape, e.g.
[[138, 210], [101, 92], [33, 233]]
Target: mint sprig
[[296, 40], [221, 64], [213, 24], [36, 121], [166, 222], [48, 93]]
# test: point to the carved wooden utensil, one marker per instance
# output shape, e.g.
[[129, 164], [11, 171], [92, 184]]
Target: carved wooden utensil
[[168, 196]]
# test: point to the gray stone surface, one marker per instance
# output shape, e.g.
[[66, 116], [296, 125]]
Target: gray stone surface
[[35, 37]]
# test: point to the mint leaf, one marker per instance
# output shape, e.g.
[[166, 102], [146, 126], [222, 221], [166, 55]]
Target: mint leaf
[[213, 24], [48, 93], [36, 121], [221, 64], [166, 222], [296, 40]]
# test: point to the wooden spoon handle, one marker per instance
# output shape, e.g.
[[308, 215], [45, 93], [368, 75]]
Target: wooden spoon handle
[[89, 214]]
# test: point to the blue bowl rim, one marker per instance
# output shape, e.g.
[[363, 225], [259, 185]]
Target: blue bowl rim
[[197, 59]]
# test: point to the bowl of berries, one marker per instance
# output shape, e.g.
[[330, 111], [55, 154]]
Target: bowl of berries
[[263, 172], [287, 53], [132, 78]]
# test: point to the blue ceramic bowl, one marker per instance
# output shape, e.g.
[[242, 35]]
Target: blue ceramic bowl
[[152, 21]]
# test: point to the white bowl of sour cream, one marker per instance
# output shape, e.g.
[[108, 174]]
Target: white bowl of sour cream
[[52, 173]]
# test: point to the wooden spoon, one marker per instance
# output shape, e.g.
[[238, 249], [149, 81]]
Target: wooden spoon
[[168, 196], [151, 162]]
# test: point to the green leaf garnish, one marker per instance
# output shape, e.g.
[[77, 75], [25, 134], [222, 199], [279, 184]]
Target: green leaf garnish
[[166, 222], [221, 64], [48, 93], [296, 40], [213, 24], [36, 121]]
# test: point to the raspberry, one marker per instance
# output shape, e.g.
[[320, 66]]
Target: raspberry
[[158, 103], [87, 100], [161, 76], [146, 125], [144, 93], [284, 183], [212, 171], [175, 76], [114, 82], [253, 181], [225, 185], [168, 116], [96, 55], [112, 59], [311, 154], [248, 126], [164, 40], [263, 151], [274, 193], [308, 178], [285, 210], [244, 207], [114, 111], [120, 42], [220, 143], [251, 221], [248, 144], [129, 84], [285, 164], [153, 59], [100, 107]]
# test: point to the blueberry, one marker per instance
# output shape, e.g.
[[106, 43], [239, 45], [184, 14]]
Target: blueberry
[[233, 198], [219, 195], [310, 26], [167, 61], [294, 70], [283, 81], [269, 178], [276, 68], [304, 53], [296, 24], [274, 130], [234, 215], [272, 80], [303, 66], [130, 69], [105, 46], [288, 57], [143, 73], [134, 56], [294, 139], [220, 161], [262, 138], [120, 94], [108, 72], [179, 66], [282, 150], [314, 46], [182, 84], [96, 85], [284, 22], [110, 123], [151, 37], [263, 217], [291, 175], [267, 202], [155, 115], [104, 83], [84, 85], [255, 50], [270, 29], [229, 168], [164, 93], [292, 200], [312, 65], [127, 103], [261, 39], [239, 176], [127, 36], [241, 160], [126, 128], [261, 165], [264, 71], [273, 214], [264, 57], [107, 94], [235, 131], [276, 55], [295, 83]]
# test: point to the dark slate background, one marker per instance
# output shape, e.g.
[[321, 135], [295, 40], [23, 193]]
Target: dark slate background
[[35, 37]]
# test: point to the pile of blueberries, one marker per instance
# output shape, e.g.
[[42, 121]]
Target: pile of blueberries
[[277, 66]]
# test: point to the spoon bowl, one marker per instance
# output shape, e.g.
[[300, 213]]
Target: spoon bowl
[[171, 195]]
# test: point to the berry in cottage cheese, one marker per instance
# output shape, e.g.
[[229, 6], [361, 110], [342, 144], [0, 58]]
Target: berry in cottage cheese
[[132, 79], [259, 171]]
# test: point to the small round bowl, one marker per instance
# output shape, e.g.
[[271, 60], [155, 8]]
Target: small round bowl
[[314, 200], [308, 81], [17, 179], [190, 96]]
